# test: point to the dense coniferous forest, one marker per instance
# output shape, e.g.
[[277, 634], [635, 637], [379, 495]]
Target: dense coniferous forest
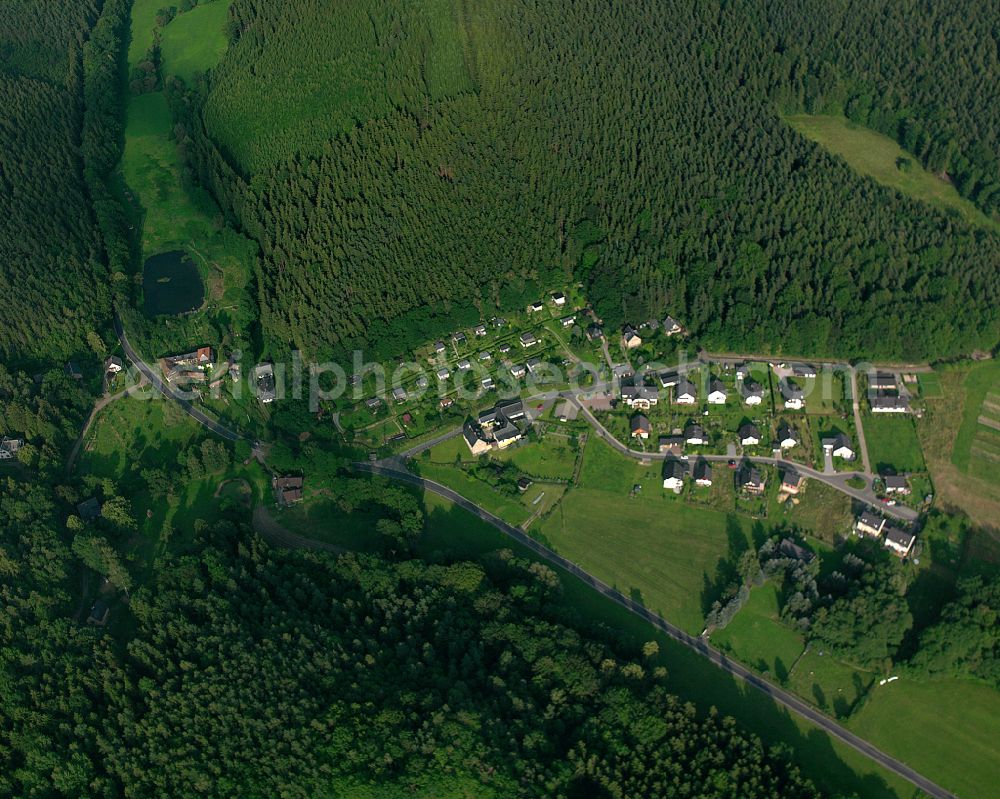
[[636, 147], [53, 275]]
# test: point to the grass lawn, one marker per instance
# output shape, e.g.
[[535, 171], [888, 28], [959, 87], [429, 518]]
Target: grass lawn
[[510, 509], [552, 457], [834, 767], [663, 553], [930, 385], [822, 510], [831, 685], [757, 637], [875, 155], [974, 447], [195, 40], [948, 729], [320, 518], [893, 443]]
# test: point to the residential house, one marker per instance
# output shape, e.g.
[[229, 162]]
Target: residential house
[[446, 402], [752, 392], [896, 484], [703, 473], [839, 446], [882, 381], [524, 483], [288, 489], [899, 541], [480, 330], [803, 370], [788, 436], [235, 370], [750, 479], [742, 371], [506, 436], [264, 383], [594, 332], [631, 338], [459, 337], [869, 523], [518, 370], [399, 394], [671, 327], [9, 447], [622, 371], [716, 392], [884, 402], [443, 373], [439, 347], [533, 364], [487, 383], [639, 426], [685, 392], [640, 397], [568, 321], [98, 615], [504, 348], [113, 364], [694, 434], [528, 339], [791, 480], [668, 379], [373, 404], [749, 435], [485, 356], [790, 549], [422, 382], [535, 307], [474, 439], [559, 299], [671, 443], [673, 474], [89, 509], [793, 395]]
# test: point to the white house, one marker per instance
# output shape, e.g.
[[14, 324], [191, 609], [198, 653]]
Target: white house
[[673, 475], [694, 434], [889, 403], [716, 392], [568, 321], [559, 299], [528, 340], [899, 541], [518, 370], [839, 446], [439, 347], [749, 435], [752, 392], [535, 307], [793, 395], [703, 473], [788, 436], [869, 523], [463, 365], [685, 393], [113, 365], [640, 397], [443, 374], [399, 394], [896, 484], [487, 383], [480, 330], [533, 364], [671, 327], [803, 370]]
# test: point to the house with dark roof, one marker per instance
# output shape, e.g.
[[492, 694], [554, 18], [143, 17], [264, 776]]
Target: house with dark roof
[[474, 439], [639, 426], [674, 472], [594, 332], [791, 480], [792, 394], [749, 434], [528, 339], [671, 327], [559, 298], [480, 331], [640, 397], [669, 379], [716, 392], [750, 479], [703, 473], [89, 509], [631, 338], [685, 392], [113, 364], [788, 436], [694, 434], [899, 541], [288, 489], [886, 402], [518, 370], [752, 392], [882, 381], [568, 321], [99, 611], [671, 443], [839, 446], [869, 523], [896, 484], [803, 370]]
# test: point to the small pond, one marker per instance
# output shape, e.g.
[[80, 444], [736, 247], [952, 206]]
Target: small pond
[[171, 284]]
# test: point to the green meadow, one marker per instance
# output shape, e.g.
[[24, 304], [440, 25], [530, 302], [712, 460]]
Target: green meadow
[[977, 444], [893, 443], [876, 156], [757, 637], [195, 40]]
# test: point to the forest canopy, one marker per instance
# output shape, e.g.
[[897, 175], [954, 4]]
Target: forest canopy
[[637, 147]]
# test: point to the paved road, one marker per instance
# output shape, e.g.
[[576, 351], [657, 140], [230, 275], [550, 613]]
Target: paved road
[[838, 481], [702, 647], [153, 376]]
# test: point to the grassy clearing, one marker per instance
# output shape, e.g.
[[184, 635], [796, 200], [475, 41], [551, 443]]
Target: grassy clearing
[[975, 436], [949, 729], [831, 685], [510, 509], [836, 769], [930, 385], [664, 554], [322, 519], [757, 637], [893, 443], [822, 510], [552, 457], [195, 40], [876, 156]]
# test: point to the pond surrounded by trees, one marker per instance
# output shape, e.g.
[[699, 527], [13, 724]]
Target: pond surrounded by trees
[[171, 284]]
